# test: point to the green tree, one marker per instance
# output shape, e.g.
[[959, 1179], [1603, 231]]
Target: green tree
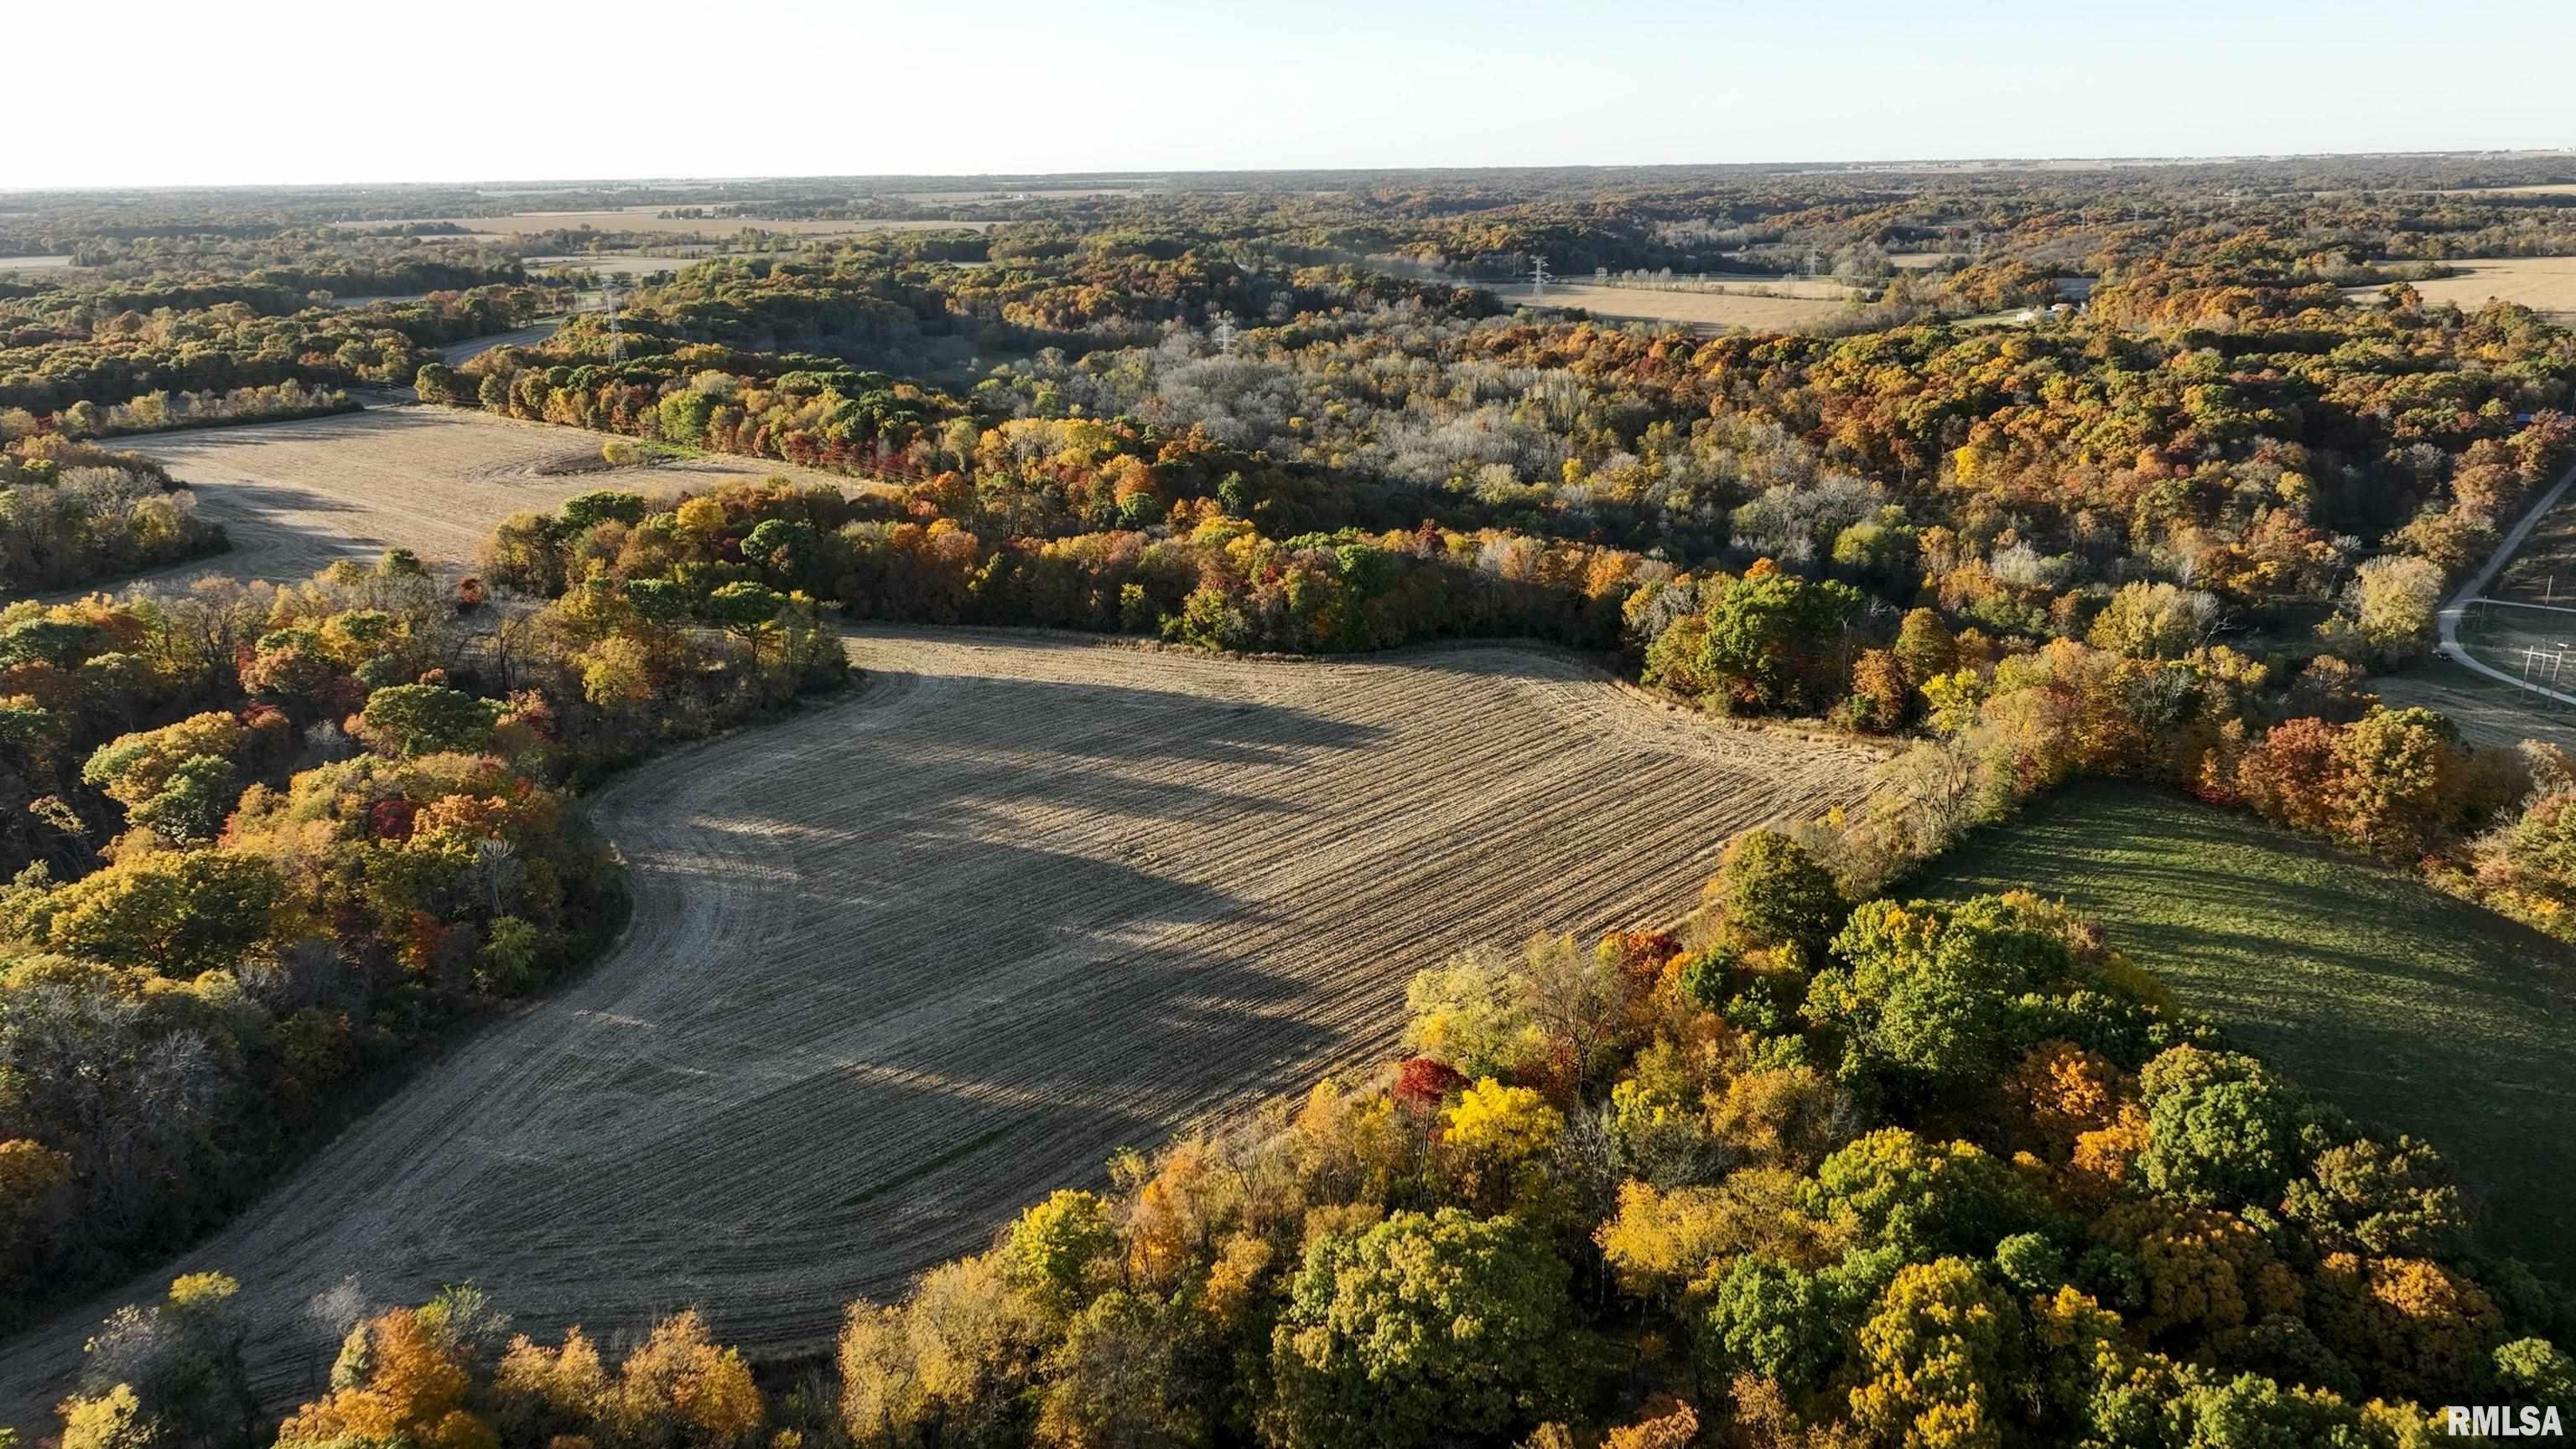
[[1936, 994], [1052, 1247], [191, 802], [2220, 1130], [435, 382], [428, 719], [1448, 1324], [1892, 1187], [1776, 640], [1776, 890], [2539, 1370], [582, 511], [748, 611], [2393, 1199], [1787, 1325], [1925, 646]]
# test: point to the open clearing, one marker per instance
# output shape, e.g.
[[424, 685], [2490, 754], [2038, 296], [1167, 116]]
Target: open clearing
[[620, 264], [1697, 309], [1031, 193], [297, 497], [2538, 188], [904, 964], [645, 219], [2488, 714], [2536, 643], [2406, 1007], [2543, 569], [2544, 284]]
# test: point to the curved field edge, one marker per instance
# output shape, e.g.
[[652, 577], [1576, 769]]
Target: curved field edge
[[2410, 1009], [901, 964]]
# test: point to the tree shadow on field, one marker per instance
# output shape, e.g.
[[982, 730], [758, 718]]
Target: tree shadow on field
[[900, 975], [372, 422], [1526, 659], [1050, 734], [266, 544]]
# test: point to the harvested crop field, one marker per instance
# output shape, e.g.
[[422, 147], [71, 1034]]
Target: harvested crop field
[[903, 964], [2541, 188], [622, 264], [1695, 309], [296, 497], [2544, 284]]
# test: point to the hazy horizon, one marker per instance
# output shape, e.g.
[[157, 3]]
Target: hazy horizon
[[1953, 164], [229, 95]]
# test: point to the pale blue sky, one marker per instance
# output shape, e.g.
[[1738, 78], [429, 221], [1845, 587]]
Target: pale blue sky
[[200, 91]]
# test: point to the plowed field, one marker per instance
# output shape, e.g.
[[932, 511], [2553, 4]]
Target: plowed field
[[904, 964], [295, 497]]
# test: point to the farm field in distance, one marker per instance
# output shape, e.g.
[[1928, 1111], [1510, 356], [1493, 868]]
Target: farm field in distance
[[296, 497], [2544, 284], [902, 965], [1692, 308], [2411, 1010], [619, 264]]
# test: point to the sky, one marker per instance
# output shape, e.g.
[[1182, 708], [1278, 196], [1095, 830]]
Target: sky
[[205, 92]]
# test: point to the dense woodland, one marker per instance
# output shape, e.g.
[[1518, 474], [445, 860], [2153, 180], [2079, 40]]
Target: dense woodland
[[2122, 481], [71, 513], [262, 844]]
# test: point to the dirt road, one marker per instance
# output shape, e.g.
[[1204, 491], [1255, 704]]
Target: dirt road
[[905, 964], [2475, 586], [456, 354]]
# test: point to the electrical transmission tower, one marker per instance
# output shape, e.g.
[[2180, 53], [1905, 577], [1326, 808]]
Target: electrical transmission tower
[[1538, 276], [1223, 333], [616, 339]]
